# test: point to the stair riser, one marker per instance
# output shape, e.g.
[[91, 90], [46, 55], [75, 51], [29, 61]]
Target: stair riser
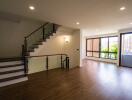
[[10, 63], [11, 68], [11, 74], [2, 84]]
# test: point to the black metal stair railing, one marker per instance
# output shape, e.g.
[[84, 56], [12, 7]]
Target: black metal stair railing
[[65, 62], [36, 38], [39, 35]]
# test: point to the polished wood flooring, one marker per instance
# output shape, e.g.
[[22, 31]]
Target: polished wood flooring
[[94, 81]]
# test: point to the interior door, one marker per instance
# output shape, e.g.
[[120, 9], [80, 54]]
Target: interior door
[[126, 50]]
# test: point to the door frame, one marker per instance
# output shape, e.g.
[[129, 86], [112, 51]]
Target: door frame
[[120, 46]]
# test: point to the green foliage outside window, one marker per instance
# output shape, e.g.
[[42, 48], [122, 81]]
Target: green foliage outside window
[[112, 48]]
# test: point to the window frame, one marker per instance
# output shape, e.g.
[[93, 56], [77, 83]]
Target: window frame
[[92, 47], [100, 47]]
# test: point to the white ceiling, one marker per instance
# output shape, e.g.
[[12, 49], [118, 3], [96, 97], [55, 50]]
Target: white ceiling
[[93, 15]]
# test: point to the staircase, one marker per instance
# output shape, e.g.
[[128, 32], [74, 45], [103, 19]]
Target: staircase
[[37, 37], [12, 72], [16, 71]]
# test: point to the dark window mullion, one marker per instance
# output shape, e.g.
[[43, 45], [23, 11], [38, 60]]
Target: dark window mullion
[[99, 47], [92, 47], [108, 47], [86, 46]]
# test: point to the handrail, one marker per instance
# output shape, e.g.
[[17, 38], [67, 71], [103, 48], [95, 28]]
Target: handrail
[[46, 55], [36, 30]]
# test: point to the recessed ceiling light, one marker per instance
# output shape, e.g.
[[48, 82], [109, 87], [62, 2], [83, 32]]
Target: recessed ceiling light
[[31, 7], [77, 23], [122, 8], [131, 23]]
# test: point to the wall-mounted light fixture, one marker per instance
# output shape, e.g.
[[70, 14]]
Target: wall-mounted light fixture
[[31, 7], [122, 8], [67, 39]]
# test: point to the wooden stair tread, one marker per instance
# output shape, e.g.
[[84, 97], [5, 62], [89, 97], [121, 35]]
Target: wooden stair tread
[[12, 78], [6, 66], [10, 59], [12, 71]]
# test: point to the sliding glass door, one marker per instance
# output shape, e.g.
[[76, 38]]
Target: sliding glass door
[[126, 50]]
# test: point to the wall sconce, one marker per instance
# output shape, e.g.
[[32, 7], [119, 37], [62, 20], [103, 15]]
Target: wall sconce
[[67, 39]]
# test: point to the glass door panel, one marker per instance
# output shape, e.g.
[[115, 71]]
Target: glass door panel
[[126, 50]]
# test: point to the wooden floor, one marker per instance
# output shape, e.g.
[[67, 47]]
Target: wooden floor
[[94, 81]]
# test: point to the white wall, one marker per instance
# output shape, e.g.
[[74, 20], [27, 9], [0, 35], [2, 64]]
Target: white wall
[[82, 47], [125, 30], [12, 33], [57, 45]]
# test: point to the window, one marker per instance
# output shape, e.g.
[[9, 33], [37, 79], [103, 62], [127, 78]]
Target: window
[[89, 47], [103, 47], [127, 44], [113, 47], [93, 47]]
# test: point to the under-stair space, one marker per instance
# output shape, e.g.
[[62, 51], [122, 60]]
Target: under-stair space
[[12, 72]]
